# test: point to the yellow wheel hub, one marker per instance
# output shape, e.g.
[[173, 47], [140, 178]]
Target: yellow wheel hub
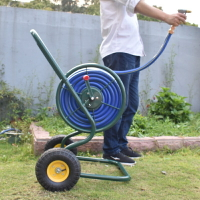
[[58, 171], [58, 146]]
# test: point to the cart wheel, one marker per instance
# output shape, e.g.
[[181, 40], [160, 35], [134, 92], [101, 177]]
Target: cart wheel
[[58, 169], [55, 142]]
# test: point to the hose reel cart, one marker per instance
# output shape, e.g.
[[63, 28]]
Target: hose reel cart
[[90, 98]]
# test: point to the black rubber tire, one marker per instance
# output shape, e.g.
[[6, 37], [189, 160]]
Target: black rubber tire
[[54, 155], [56, 140]]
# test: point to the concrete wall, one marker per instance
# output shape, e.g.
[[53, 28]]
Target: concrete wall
[[75, 38]]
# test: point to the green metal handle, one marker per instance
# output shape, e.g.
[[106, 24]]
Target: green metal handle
[[62, 76]]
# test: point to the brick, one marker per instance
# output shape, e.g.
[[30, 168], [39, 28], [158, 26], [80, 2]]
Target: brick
[[191, 142], [142, 144], [40, 137], [172, 142]]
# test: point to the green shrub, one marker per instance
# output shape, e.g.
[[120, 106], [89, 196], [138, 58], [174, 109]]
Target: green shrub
[[11, 106], [170, 105]]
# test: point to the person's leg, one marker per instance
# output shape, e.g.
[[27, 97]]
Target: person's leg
[[127, 117], [111, 141], [115, 137], [132, 95]]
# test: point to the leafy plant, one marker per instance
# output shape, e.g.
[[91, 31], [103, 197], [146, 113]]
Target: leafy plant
[[170, 105], [12, 106]]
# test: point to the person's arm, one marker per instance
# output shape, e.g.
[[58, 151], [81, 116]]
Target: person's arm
[[150, 11]]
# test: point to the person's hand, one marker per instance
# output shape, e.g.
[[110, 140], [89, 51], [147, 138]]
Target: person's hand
[[176, 19]]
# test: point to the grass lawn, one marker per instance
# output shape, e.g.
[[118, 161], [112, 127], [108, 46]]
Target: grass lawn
[[159, 175]]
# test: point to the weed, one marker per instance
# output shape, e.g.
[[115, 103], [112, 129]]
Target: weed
[[4, 158], [55, 125], [45, 93], [26, 138], [144, 95], [168, 71]]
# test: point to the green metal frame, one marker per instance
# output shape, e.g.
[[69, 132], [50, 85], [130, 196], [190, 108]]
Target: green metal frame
[[93, 129]]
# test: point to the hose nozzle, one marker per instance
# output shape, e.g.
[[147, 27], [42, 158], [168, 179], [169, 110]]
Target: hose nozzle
[[184, 11], [171, 30]]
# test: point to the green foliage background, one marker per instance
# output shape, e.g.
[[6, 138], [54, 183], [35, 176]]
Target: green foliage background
[[91, 7]]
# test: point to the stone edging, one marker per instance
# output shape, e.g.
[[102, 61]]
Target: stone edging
[[40, 137]]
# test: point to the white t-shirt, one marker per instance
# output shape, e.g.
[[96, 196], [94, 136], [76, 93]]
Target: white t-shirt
[[119, 28]]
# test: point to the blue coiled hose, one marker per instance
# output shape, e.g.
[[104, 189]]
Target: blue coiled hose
[[111, 98]]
